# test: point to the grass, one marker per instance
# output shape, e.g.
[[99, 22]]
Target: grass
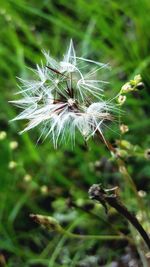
[[109, 31]]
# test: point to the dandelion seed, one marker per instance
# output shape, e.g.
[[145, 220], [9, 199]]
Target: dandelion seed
[[65, 98]]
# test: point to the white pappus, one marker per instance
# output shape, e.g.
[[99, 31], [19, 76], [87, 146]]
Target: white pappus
[[65, 96]]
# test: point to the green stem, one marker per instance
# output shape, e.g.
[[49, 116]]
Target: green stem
[[101, 237]]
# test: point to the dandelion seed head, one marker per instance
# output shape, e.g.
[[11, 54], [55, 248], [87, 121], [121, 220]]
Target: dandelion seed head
[[64, 98]]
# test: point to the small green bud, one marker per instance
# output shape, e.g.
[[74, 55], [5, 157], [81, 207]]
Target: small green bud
[[126, 88], [132, 85], [121, 99], [27, 178], [13, 145], [147, 153], [48, 222], [44, 189], [124, 128], [124, 144], [142, 193], [3, 135], [121, 153], [137, 78], [12, 165]]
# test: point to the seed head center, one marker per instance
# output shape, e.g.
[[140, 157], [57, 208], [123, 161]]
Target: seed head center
[[71, 102]]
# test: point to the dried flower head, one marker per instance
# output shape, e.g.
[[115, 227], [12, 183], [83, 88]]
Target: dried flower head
[[65, 96]]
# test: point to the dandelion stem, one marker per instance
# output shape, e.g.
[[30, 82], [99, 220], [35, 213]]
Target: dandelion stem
[[109, 145]]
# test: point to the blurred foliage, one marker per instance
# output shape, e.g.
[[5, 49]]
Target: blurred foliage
[[55, 182]]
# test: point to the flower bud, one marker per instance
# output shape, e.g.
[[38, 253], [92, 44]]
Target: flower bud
[[3, 135], [27, 178], [122, 170], [147, 154], [124, 128], [44, 189], [141, 193], [125, 144], [126, 88], [13, 145], [132, 85], [121, 99], [12, 165], [121, 153], [48, 222], [137, 78]]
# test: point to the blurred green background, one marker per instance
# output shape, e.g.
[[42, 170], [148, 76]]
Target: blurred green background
[[38, 178]]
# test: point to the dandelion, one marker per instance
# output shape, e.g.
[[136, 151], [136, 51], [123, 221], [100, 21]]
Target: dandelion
[[65, 96]]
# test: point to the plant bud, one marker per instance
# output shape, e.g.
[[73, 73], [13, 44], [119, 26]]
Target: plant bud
[[13, 145], [141, 193], [3, 135], [121, 99], [137, 78], [126, 88], [147, 154], [125, 144], [48, 222], [12, 165], [27, 178], [124, 128], [121, 153], [44, 189]]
